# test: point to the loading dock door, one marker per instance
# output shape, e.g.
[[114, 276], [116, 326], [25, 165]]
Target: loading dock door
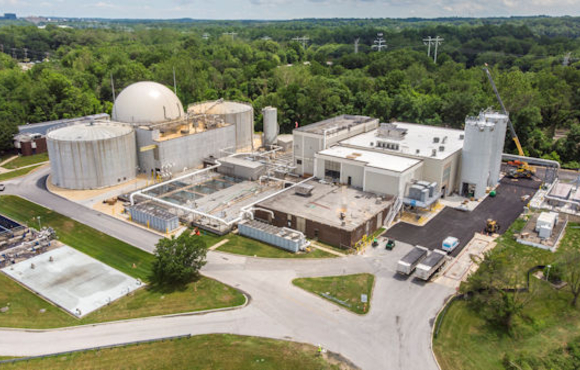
[[301, 224]]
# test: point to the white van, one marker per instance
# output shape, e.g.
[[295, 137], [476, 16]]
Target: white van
[[449, 244]]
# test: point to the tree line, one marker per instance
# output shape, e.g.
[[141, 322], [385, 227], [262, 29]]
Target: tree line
[[537, 73]]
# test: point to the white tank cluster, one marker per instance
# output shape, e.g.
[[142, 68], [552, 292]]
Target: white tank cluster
[[92, 155], [482, 151], [271, 128], [240, 114]]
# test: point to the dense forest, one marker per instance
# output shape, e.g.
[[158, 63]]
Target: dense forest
[[535, 62]]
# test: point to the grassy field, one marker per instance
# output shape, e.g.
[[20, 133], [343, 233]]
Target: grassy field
[[249, 247], [345, 289], [113, 252], [25, 306], [466, 341], [14, 174], [26, 161], [198, 352]]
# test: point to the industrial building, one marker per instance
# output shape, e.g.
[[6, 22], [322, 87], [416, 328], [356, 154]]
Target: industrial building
[[392, 158], [30, 144], [336, 215], [150, 133]]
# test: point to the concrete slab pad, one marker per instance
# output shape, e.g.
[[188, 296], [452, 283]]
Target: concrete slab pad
[[73, 281]]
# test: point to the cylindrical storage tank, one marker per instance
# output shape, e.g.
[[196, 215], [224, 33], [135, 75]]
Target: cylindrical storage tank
[[92, 155], [271, 128], [500, 121], [475, 165], [240, 114]]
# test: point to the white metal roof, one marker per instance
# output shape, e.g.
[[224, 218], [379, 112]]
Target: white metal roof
[[373, 159], [147, 102], [90, 132], [418, 142]]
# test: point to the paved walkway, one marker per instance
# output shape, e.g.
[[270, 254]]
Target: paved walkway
[[6, 170], [328, 250], [395, 334]]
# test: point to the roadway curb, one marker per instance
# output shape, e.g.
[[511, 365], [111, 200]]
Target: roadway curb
[[445, 303], [276, 259], [248, 299]]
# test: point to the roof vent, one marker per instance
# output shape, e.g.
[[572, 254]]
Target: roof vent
[[435, 140], [434, 153], [444, 140], [461, 136], [372, 144], [441, 148], [417, 151]]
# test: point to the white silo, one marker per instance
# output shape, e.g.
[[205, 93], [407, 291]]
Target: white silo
[[500, 122], [92, 155], [271, 127], [240, 114], [476, 153]]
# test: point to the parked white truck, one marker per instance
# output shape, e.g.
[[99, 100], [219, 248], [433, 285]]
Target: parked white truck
[[430, 265], [407, 264]]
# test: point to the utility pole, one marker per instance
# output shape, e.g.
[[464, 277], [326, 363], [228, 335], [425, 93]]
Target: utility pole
[[428, 41], [438, 41], [356, 45], [303, 40], [113, 88], [380, 42], [432, 41], [174, 82], [232, 34]]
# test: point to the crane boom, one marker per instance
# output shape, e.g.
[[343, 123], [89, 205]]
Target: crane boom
[[504, 111]]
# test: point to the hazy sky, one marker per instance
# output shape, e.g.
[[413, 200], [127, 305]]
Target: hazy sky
[[287, 9]]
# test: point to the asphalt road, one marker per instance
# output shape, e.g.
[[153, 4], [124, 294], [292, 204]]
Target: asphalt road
[[505, 208], [395, 334]]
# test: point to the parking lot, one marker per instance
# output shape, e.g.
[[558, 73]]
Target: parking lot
[[505, 208]]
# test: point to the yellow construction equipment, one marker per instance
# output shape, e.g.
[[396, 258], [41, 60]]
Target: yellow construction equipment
[[491, 227], [518, 169]]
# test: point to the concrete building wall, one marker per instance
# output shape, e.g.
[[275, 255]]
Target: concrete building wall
[[381, 182], [331, 235], [182, 152], [355, 172]]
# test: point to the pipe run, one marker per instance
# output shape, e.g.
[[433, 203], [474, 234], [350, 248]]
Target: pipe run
[[537, 161]]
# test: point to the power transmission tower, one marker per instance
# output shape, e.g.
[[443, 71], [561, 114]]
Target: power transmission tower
[[303, 40], [380, 42], [205, 36], [433, 41], [356, 45], [232, 34]]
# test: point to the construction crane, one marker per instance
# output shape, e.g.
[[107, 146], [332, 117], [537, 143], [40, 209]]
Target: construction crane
[[519, 168]]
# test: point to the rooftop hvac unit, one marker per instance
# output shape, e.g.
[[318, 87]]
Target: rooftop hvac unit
[[435, 140], [441, 148], [304, 190], [434, 153], [461, 136]]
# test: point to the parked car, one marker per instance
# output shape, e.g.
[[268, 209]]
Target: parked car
[[449, 244], [2, 187]]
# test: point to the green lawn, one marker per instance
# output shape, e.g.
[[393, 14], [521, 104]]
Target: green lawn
[[198, 352], [25, 306], [17, 173], [26, 161], [466, 341], [250, 247], [344, 291]]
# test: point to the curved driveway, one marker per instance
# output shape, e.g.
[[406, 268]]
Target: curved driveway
[[395, 334]]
